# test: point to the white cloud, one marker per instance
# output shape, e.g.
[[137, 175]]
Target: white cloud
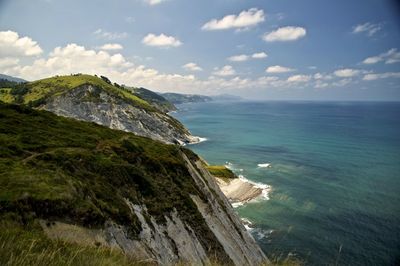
[[244, 57], [100, 33], [319, 76], [372, 60], [161, 40], [299, 78], [154, 2], [192, 67], [224, 71], [289, 33], [320, 84], [342, 82], [278, 69], [346, 72], [374, 76], [71, 59], [111, 47], [369, 28], [245, 19], [8, 61], [12, 45], [74, 58], [390, 57], [260, 55], [239, 58]]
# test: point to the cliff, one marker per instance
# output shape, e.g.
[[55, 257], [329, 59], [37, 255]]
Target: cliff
[[155, 99], [95, 99], [93, 186]]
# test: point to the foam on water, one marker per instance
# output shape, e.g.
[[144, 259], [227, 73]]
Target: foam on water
[[259, 233], [237, 204], [197, 140], [266, 189], [264, 165]]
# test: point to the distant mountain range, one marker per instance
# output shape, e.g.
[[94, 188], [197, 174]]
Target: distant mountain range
[[154, 99], [178, 98], [10, 78]]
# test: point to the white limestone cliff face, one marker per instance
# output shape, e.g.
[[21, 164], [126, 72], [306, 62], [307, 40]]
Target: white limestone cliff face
[[93, 104], [174, 241]]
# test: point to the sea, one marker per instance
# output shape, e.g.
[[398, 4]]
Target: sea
[[333, 169]]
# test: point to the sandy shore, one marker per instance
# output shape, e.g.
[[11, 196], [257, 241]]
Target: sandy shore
[[241, 190]]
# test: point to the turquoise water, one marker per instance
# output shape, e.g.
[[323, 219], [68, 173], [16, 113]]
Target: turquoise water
[[335, 174]]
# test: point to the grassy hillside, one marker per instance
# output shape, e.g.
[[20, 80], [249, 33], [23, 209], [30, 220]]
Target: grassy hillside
[[26, 245], [221, 171], [66, 170], [36, 92], [153, 98], [178, 98]]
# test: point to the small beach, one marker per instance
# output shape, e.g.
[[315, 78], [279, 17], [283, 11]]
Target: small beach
[[240, 190]]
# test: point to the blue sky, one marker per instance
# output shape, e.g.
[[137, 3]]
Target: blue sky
[[268, 49]]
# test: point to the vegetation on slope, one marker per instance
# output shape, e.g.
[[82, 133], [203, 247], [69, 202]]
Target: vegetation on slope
[[27, 245], [57, 168], [154, 99], [36, 92], [221, 171], [177, 98]]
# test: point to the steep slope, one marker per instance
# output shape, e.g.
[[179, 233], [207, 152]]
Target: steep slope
[[95, 99], [154, 99], [94, 186]]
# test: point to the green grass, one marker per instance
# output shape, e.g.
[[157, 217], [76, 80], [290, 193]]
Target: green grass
[[38, 91], [221, 171], [6, 96], [57, 168], [153, 98], [27, 245]]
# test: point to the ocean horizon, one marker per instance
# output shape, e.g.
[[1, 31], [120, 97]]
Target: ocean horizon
[[332, 168]]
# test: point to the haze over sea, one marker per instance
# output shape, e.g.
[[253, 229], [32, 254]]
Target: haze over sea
[[334, 171]]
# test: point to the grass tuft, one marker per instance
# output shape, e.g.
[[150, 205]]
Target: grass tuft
[[222, 172]]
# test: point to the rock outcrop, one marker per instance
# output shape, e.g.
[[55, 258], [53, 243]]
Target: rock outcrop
[[93, 104], [175, 241]]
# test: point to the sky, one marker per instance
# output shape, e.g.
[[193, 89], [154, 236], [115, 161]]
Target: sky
[[264, 50]]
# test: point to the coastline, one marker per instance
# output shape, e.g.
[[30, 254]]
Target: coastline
[[195, 140], [240, 190]]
